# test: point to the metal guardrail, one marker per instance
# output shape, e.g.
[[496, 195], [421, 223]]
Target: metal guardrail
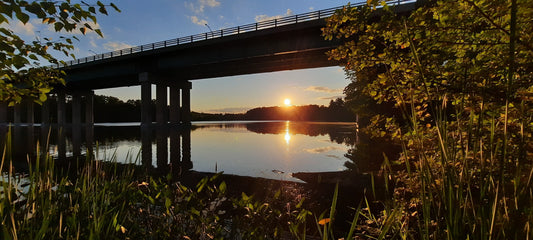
[[273, 23]]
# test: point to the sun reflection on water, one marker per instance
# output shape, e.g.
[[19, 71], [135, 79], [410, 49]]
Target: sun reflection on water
[[287, 134]]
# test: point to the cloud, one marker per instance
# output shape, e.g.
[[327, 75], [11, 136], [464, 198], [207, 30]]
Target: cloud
[[50, 28], [114, 46], [333, 156], [196, 20], [323, 89], [210, 3], [322, 149], [200, 5], [229, 110], [330, 98], [265, 17], [19, 28]]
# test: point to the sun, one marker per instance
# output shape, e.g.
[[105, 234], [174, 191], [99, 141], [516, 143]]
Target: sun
[[287, 102]]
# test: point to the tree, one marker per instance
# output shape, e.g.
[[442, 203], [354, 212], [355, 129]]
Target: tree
[[447, 54], [21, 73], [459, 72]]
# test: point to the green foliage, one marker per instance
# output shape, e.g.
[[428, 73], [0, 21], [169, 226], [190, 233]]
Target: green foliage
[[20, 71], [451, 83]]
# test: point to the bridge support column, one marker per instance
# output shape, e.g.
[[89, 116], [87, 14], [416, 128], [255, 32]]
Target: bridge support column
[[17, 112], [76, 108], [186, 103], [89, 122], [146, 98], [30, 119], [45, 113], [3, 112], [30, 135], [174, 104], [61, 109], [76, 124], [161, 104], [61, 122], [89, 108], [3, 125]]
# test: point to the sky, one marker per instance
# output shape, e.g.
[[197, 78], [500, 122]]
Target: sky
[[142, 22]]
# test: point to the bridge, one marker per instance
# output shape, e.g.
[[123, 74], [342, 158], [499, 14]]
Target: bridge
[[288, 43]]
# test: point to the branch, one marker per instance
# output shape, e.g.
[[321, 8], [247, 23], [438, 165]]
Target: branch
[[487, 17]]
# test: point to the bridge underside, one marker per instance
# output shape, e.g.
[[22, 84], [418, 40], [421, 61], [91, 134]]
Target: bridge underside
[[296, 46]]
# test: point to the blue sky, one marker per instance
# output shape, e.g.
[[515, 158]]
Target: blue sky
[[142, 22]]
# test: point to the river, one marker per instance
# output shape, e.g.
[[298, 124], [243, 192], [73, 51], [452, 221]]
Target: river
[[265, 149]]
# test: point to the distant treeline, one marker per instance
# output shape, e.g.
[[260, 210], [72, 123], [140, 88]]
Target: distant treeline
[[112, 109]]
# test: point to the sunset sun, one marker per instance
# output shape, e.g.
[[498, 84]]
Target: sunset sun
[[287, 102]]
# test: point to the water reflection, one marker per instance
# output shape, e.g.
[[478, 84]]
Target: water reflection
[[257, 149], [287, 134]]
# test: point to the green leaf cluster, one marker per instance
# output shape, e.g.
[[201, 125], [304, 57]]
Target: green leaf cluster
[[451, 83], [19, 58]]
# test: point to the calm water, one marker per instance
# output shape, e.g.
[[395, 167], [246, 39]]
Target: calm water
[[259, 149]]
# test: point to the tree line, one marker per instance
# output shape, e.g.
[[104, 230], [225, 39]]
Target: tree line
[[112, 109]]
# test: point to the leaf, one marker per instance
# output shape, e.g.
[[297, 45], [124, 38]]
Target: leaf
[[83, 30], [58, 26], [24, 18], [99, 32], [115, 7], [102, 10], [64, 14], [222, 187]]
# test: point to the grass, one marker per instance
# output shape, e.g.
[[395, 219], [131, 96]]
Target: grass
[[107, 200]]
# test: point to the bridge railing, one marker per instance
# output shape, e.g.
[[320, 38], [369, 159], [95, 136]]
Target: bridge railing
[[272, 23]]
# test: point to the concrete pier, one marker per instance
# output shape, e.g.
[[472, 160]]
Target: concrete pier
[[186, 104], [61, 109], [3, 113], [45, 113], [174, 104], [30, 117], [161, 104], [146, 98], [17, 112]]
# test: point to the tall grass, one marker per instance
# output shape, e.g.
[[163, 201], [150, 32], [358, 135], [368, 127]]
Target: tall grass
[[106, 200]]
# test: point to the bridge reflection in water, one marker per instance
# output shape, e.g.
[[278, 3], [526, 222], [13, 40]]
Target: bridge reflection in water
[[255, 149], [172, 145]]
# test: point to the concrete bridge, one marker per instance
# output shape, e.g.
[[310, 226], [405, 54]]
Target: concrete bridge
[[293, 42]]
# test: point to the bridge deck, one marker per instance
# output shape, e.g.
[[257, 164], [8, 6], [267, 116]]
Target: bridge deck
[[293, 42]]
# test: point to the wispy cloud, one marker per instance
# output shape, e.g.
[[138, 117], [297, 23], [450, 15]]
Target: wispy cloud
[[323, 89], [19, 28], [199, 6], [322, 149], [265, 17], [333, 156], [331, 98], [229, 110], [196, 20], [113, 46]]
